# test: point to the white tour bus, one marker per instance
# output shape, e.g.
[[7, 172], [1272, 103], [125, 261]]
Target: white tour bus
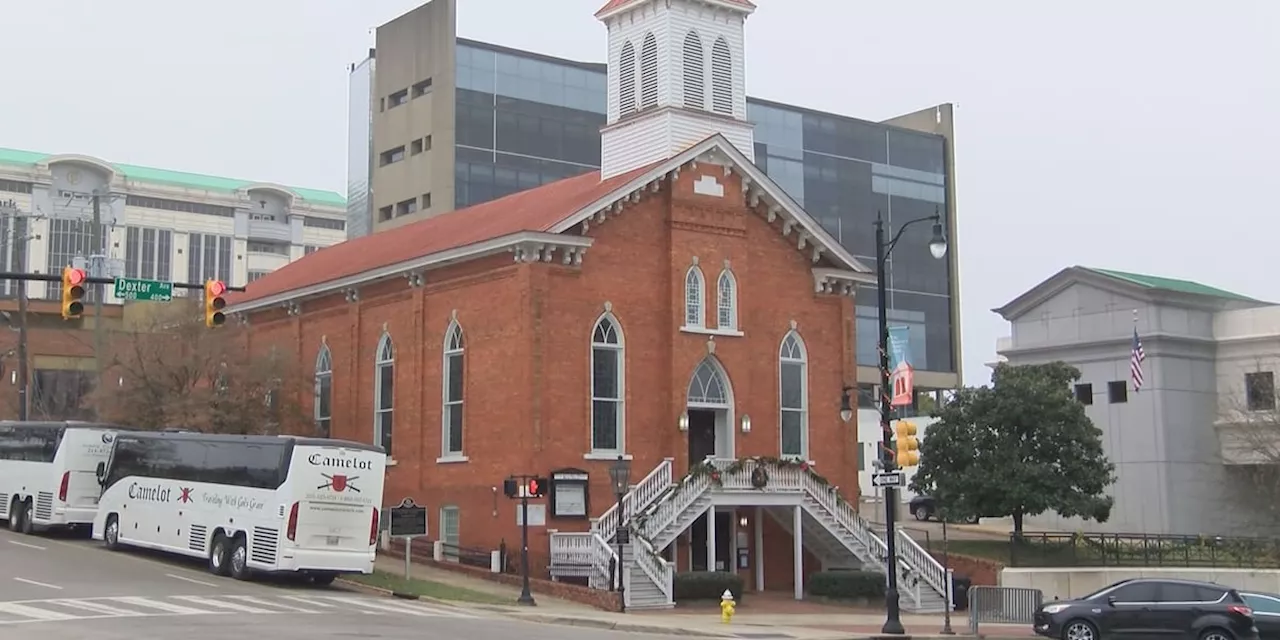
[[47, 473], [245, 503]]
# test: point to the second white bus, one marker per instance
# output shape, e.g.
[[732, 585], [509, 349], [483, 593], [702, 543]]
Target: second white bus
[[245, 503], [47, 473]]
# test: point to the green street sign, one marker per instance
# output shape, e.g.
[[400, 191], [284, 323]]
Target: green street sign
[[136, 289]]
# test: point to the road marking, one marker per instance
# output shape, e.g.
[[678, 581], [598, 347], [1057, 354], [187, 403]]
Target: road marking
[[89, 605], [363, 602], [287, 607], [209, 602], [191, 580], [162, 606], [39, 584], [312, 602], [32, 612], [29, 545]]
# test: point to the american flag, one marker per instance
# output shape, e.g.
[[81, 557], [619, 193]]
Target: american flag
[[1135, 362]]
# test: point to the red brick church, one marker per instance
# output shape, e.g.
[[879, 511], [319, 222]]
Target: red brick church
[[676, 309]]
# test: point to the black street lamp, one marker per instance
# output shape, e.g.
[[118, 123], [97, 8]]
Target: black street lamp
[[937, 247], [620, 474]]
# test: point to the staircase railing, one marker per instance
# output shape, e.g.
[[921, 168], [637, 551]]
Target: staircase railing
[[682, 496], [846, 516], [585, 549], [923, 562], [654, 566], [603, 554], [636, 500]]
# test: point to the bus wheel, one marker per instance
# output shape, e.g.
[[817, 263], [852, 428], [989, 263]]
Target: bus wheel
[[15, 515], [218, 556], [111, 534], [240, 559], [28, 527], [323, 579]]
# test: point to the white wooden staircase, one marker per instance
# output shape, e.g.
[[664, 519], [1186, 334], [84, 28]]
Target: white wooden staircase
[[659, 508]]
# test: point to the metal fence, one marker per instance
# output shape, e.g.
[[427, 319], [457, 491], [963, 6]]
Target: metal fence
[[1002, 605], [469, 556], [1140, 550]]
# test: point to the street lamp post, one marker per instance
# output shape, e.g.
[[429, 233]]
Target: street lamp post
[[620, 474], [938, 248]]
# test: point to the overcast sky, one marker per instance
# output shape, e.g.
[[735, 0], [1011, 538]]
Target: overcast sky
[[1138, 135]]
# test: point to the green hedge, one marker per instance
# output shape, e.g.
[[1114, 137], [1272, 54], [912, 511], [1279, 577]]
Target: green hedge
[[707, 585], [847, 585]]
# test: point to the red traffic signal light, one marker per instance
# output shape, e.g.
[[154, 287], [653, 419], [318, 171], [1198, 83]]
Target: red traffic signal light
[[216, 287], [75, 276], [534, 486], [73, 280]]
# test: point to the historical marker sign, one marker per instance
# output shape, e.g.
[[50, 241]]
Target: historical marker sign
[[137, 289], [408, 519]]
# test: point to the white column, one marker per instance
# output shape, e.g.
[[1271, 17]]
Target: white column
[[711, 538], [759, 559], [797, 522]]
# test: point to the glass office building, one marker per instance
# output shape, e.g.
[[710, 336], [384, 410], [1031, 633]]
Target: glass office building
[[524, 120]]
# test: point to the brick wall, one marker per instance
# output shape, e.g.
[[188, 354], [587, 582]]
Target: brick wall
[[981, 571]]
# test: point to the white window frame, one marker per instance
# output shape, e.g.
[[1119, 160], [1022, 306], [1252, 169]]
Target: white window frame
[[727, 301], [799, 357], [385, 356], [620, 424], [447, 512], [324, 369], [695, 291], [455, 346]]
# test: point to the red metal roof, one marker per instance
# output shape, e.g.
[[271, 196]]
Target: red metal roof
[[613, 5], [536, 209]]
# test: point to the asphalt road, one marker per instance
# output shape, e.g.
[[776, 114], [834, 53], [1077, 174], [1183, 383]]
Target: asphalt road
[[73, 588]]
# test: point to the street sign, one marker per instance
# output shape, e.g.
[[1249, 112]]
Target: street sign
[[137, 289], [408, 519], [888, 479]]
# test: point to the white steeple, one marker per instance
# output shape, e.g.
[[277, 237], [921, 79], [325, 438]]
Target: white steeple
[[676, 77]]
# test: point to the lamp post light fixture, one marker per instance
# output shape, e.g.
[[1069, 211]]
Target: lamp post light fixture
[[938, 249], [620, 475], [846, 404]]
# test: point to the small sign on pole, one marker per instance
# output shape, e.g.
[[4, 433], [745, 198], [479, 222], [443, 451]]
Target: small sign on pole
[[408, 521], [888, 479]]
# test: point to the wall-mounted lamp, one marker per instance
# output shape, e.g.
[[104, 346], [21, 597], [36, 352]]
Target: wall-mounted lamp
[[742, 522], [120, 382], [846, 404], [746, 423], [683, 423], [13, 377]]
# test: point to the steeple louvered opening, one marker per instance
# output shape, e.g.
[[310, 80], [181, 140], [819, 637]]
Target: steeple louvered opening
[[721, 77], [649, 72], [627, 80], [695, 77]]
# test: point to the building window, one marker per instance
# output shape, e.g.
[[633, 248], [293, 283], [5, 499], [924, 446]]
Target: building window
[[324, 391], [406, 207], [182, 206], [415, 147], [449, 520], [384, 382], [13, 244], [721, 77], [208, 257], [426, 201], [607, 415], [649, 72], [1260, 390], [454, 380], [1117, 391], [385, 213], [398, 98], [422, 88], [727, 301], [694, 73], [693, 285], [309, 249], [255, 276], [392, 156], [148, 253], [1084, 393], [15, 186], [324, 223], [274, 248], [793, 395], [627, 80], [70, 239]]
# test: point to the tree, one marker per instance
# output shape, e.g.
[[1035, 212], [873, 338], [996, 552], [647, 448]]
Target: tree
[[1248, 434], [166, 369], [1019, 447]]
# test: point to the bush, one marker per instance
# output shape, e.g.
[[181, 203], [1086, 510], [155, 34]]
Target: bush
[[707, 585], [847, 585]]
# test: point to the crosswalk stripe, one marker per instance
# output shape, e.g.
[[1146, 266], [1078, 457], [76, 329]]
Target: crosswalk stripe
[[280, 605], [310, 601], [218, 604], [32, 612], [438, 611], [370, 604], [160, 604], [89, 605]]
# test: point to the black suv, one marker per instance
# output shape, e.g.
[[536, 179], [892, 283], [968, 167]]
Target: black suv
[[1174, 609], [925, 507]]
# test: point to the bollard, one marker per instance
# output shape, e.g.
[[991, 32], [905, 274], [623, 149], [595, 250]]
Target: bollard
[[726, 607]]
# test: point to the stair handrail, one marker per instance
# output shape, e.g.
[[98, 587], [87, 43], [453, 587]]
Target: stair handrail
[[922, 561], [602, 559], [654, 566], [846, 515], [636, 500], [690, 488]]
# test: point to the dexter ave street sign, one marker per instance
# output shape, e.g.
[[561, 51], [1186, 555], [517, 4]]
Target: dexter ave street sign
[[137, 289], [888, 479]]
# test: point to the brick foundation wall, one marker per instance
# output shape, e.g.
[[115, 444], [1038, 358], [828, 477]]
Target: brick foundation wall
[[980, 571]]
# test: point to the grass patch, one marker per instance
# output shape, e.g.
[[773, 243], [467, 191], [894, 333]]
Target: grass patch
[[997, 550], [427, 588]]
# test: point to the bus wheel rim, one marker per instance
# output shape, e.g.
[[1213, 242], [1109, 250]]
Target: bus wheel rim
[[238, 558]]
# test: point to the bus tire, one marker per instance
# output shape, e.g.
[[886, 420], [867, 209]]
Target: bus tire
[[28, 527], [111, 533], [240, 559], [15, 515], [219, 555], [323, 579]]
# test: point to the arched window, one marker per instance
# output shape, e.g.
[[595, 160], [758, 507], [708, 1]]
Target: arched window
[[693, 285], [649, 72], [695, 75], [727, 301], [721, 77], [384, 382], [451, 427], [627, 80], [707, 387], [607, 387], [324, 391], [793, 395]]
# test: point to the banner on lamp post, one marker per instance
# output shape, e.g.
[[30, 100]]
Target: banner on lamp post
[[901, 374]]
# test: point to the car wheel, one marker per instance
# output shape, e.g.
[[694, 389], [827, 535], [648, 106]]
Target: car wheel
[[1079, 630], [111, 533], [1215, 633], [240, 560], [921, 513], [218, 556], [971, 520]]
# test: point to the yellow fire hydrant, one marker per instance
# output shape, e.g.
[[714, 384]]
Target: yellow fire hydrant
[[726, 607]]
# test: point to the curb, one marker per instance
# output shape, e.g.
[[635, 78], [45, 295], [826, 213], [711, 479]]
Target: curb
[[388, 593], [618, 626]]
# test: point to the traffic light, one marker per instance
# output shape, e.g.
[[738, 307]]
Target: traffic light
[[510, 489], [72, 292], [214, 303], [533, 488], [908, 447], [537, 487]]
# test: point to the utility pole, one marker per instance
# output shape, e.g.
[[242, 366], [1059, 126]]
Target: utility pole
[[97, 263], [18, 246]]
